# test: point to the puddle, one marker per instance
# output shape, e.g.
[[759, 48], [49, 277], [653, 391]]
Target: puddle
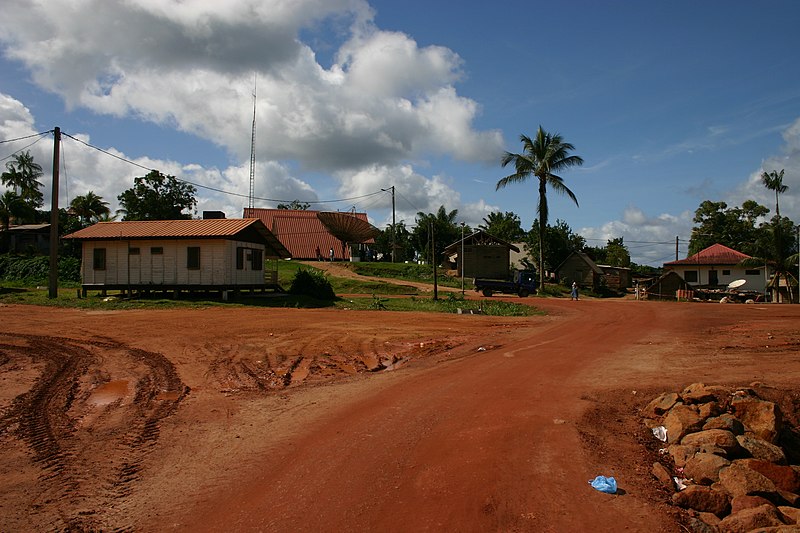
[[168, 395], [109, 392]]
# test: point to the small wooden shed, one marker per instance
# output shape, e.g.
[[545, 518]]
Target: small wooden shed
[[484, 256], [580, 268], [176, 255], [668, 287]]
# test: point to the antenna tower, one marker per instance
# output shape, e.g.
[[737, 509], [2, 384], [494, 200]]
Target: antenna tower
[[252, 153]]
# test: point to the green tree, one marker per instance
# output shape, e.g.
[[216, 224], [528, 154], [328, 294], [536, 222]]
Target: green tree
[[559, 241], [779, 255], [22, 174], [404, 250], [774, 182], [446, 232], [614, 253], [295, 204], [89, 207], [157, 197], [734, 227], [505, 226], [542, 157]]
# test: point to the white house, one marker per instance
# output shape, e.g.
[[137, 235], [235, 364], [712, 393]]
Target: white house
[[716, 267], [215, 254]]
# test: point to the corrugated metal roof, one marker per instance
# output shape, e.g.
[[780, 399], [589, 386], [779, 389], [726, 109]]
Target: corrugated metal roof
[[143, 229], [183, 229], [716, 254], [301, 232]]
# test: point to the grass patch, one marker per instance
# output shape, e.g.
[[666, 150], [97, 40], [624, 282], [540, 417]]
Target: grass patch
[[68, 298], [405, 271], [447, 304]]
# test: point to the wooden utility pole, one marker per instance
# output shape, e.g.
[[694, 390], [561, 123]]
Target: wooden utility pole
[[433, 260], [53, 284]]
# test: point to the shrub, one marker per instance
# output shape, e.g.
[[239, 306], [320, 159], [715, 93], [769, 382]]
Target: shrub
[[36, 269], [312, 283]]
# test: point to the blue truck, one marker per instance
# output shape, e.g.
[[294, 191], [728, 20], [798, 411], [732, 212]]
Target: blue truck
[[522, 284]]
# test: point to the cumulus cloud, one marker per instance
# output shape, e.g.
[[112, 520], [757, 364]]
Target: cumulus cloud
[[190, 65], [649, 238], [85, 169], [788, 161]]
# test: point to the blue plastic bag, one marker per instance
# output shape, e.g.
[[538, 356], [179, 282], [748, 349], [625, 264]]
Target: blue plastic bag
[[604, 484]]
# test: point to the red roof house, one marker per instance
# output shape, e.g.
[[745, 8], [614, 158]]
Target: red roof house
[[717, 266], [303, 233]]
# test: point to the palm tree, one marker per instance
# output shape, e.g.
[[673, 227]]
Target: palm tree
[[23, 175], [89, 207], [774, 182], [542, 157]]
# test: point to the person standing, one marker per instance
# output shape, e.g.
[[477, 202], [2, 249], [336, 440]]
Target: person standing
[[331, 254], [574, 295], [319, 254]]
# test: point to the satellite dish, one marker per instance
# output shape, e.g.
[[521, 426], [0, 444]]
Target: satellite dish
[[736, 284]]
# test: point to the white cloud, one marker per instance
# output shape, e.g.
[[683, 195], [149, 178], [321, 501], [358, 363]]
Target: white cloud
[[789, 162], [649, 239], [190, 65], [84, 169]]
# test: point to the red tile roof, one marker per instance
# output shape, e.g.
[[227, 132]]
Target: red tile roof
[[301, 232], [716, 254], [246, 229]]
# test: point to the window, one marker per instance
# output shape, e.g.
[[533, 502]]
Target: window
[[156, 250], [133, 251], [752, 272], [690, 276], [99, 258], [726, 272], [253, 256], [257, 260], [193, 258]]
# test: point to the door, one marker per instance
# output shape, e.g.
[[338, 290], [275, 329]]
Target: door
[[712, 277]]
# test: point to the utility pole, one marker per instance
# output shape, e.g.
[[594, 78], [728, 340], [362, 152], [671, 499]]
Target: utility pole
[[394, 224], [53, 282], [433, 260], [462, 259], [677, 238]]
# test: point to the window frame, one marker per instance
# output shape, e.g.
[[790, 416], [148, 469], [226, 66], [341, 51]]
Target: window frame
[[99, 256], [193, 258]]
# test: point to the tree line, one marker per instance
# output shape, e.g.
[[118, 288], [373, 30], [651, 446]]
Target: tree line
[[544, 156]]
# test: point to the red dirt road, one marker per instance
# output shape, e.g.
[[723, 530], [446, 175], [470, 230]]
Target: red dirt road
[[324, 420]]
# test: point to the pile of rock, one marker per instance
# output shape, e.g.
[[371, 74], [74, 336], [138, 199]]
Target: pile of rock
[[722, 458]]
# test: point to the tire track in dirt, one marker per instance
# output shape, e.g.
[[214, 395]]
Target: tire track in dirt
[[276, 365], [71, 415]]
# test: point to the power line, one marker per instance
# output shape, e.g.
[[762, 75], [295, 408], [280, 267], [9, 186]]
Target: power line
[[12, 154], [26, 137], [214, 189]]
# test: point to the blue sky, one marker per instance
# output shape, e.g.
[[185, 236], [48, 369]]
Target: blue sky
[[669, 104]]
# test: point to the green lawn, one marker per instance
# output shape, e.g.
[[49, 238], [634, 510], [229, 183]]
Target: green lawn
[[377, 295]]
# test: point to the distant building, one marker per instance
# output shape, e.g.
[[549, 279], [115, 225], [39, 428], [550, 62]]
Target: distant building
[[580, 268], [26, 239], [303, 233], [485, 256], [716, 267]]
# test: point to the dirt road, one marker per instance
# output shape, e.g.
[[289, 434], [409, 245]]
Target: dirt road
[[325, 420]]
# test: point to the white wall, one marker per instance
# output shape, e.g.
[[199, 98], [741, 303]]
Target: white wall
[[217, 263]]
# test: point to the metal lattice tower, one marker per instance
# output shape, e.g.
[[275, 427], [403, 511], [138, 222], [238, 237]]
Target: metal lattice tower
[[253, 153]]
